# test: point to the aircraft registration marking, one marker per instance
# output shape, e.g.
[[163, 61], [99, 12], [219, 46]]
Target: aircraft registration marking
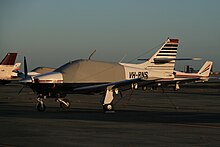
[[133, 75]]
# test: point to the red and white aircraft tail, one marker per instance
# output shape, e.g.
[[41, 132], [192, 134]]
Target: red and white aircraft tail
[[206, 68], [162, 59], [9, 59], [7, 66], [202, 75], [160, 65]]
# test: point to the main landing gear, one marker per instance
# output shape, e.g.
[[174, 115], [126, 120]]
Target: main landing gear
[[177, 87], [107, 101], [64, 104], [108, 108]]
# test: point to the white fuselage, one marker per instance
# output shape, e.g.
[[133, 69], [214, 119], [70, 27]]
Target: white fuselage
[[135, 71], [6, 72], [182, 75]]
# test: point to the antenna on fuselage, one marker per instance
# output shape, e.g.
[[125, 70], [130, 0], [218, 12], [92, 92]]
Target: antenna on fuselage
[[92, 54], [123, 58]]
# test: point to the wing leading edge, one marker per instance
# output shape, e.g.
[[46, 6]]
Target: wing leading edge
[[124, 84]]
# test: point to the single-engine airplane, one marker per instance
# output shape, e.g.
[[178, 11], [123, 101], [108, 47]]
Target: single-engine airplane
[[183, 78], [7, 68], [201, 76], [36, 71], [90, 76]]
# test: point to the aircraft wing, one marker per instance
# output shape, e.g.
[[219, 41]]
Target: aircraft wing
[[187, 80], [122, 85], [181, 81]]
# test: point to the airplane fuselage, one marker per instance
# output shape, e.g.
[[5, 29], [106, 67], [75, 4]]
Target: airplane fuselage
[[6, 72], [80, 73], [183, 75]]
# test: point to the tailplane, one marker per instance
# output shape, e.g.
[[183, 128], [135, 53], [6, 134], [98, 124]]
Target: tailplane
[[206, 68], [9, 59]]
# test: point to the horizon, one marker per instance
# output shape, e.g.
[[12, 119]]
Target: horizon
[[52, 32]]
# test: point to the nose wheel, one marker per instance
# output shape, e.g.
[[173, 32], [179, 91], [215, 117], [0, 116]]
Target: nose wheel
[[40, 105]]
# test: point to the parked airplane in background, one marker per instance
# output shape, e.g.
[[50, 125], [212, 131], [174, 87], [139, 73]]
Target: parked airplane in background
[[34, 72], [7, 66], [201, 76], [15, 70], [89, 77], [183, 78]]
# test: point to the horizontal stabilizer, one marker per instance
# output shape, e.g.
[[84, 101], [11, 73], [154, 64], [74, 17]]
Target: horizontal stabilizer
[[170, 59]]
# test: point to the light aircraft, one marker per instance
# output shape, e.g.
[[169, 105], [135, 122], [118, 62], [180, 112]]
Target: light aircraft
[[201, 76], [183, 78], [15, 70], [7, 66], [34, 72], [87, 76]]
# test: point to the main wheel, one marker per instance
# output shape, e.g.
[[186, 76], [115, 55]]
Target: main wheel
[[108, 108], [66, 104], [144, 88], [41, 107]]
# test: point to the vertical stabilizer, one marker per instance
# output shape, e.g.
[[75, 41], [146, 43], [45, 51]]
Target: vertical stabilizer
[[160, 65], [9, 59], [206, 68], [162, 60]]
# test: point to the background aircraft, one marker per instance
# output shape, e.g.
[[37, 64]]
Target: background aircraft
[[34, 72], [201, 76], [7, 66], [89, 77], [183, 78]]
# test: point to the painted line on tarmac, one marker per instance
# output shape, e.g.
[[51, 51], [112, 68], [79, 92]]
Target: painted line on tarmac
[[198, 126]]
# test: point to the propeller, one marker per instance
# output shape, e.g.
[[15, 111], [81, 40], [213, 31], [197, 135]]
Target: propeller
[[25, 68], [25, 75]]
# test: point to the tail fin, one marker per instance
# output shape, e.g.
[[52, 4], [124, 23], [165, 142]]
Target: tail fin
[[9, 59], [206, 68], [163, 59]]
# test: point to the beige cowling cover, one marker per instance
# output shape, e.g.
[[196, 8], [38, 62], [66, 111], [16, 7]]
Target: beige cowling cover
[[89, 71], [43, 70]]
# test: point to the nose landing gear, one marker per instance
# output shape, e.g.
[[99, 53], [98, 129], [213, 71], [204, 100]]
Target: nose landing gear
[[40, 105], [64, 103]]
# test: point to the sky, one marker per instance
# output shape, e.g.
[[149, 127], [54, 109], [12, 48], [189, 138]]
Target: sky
[[53, 32]]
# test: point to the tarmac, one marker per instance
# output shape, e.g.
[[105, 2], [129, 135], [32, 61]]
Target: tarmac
[[188, 117]]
